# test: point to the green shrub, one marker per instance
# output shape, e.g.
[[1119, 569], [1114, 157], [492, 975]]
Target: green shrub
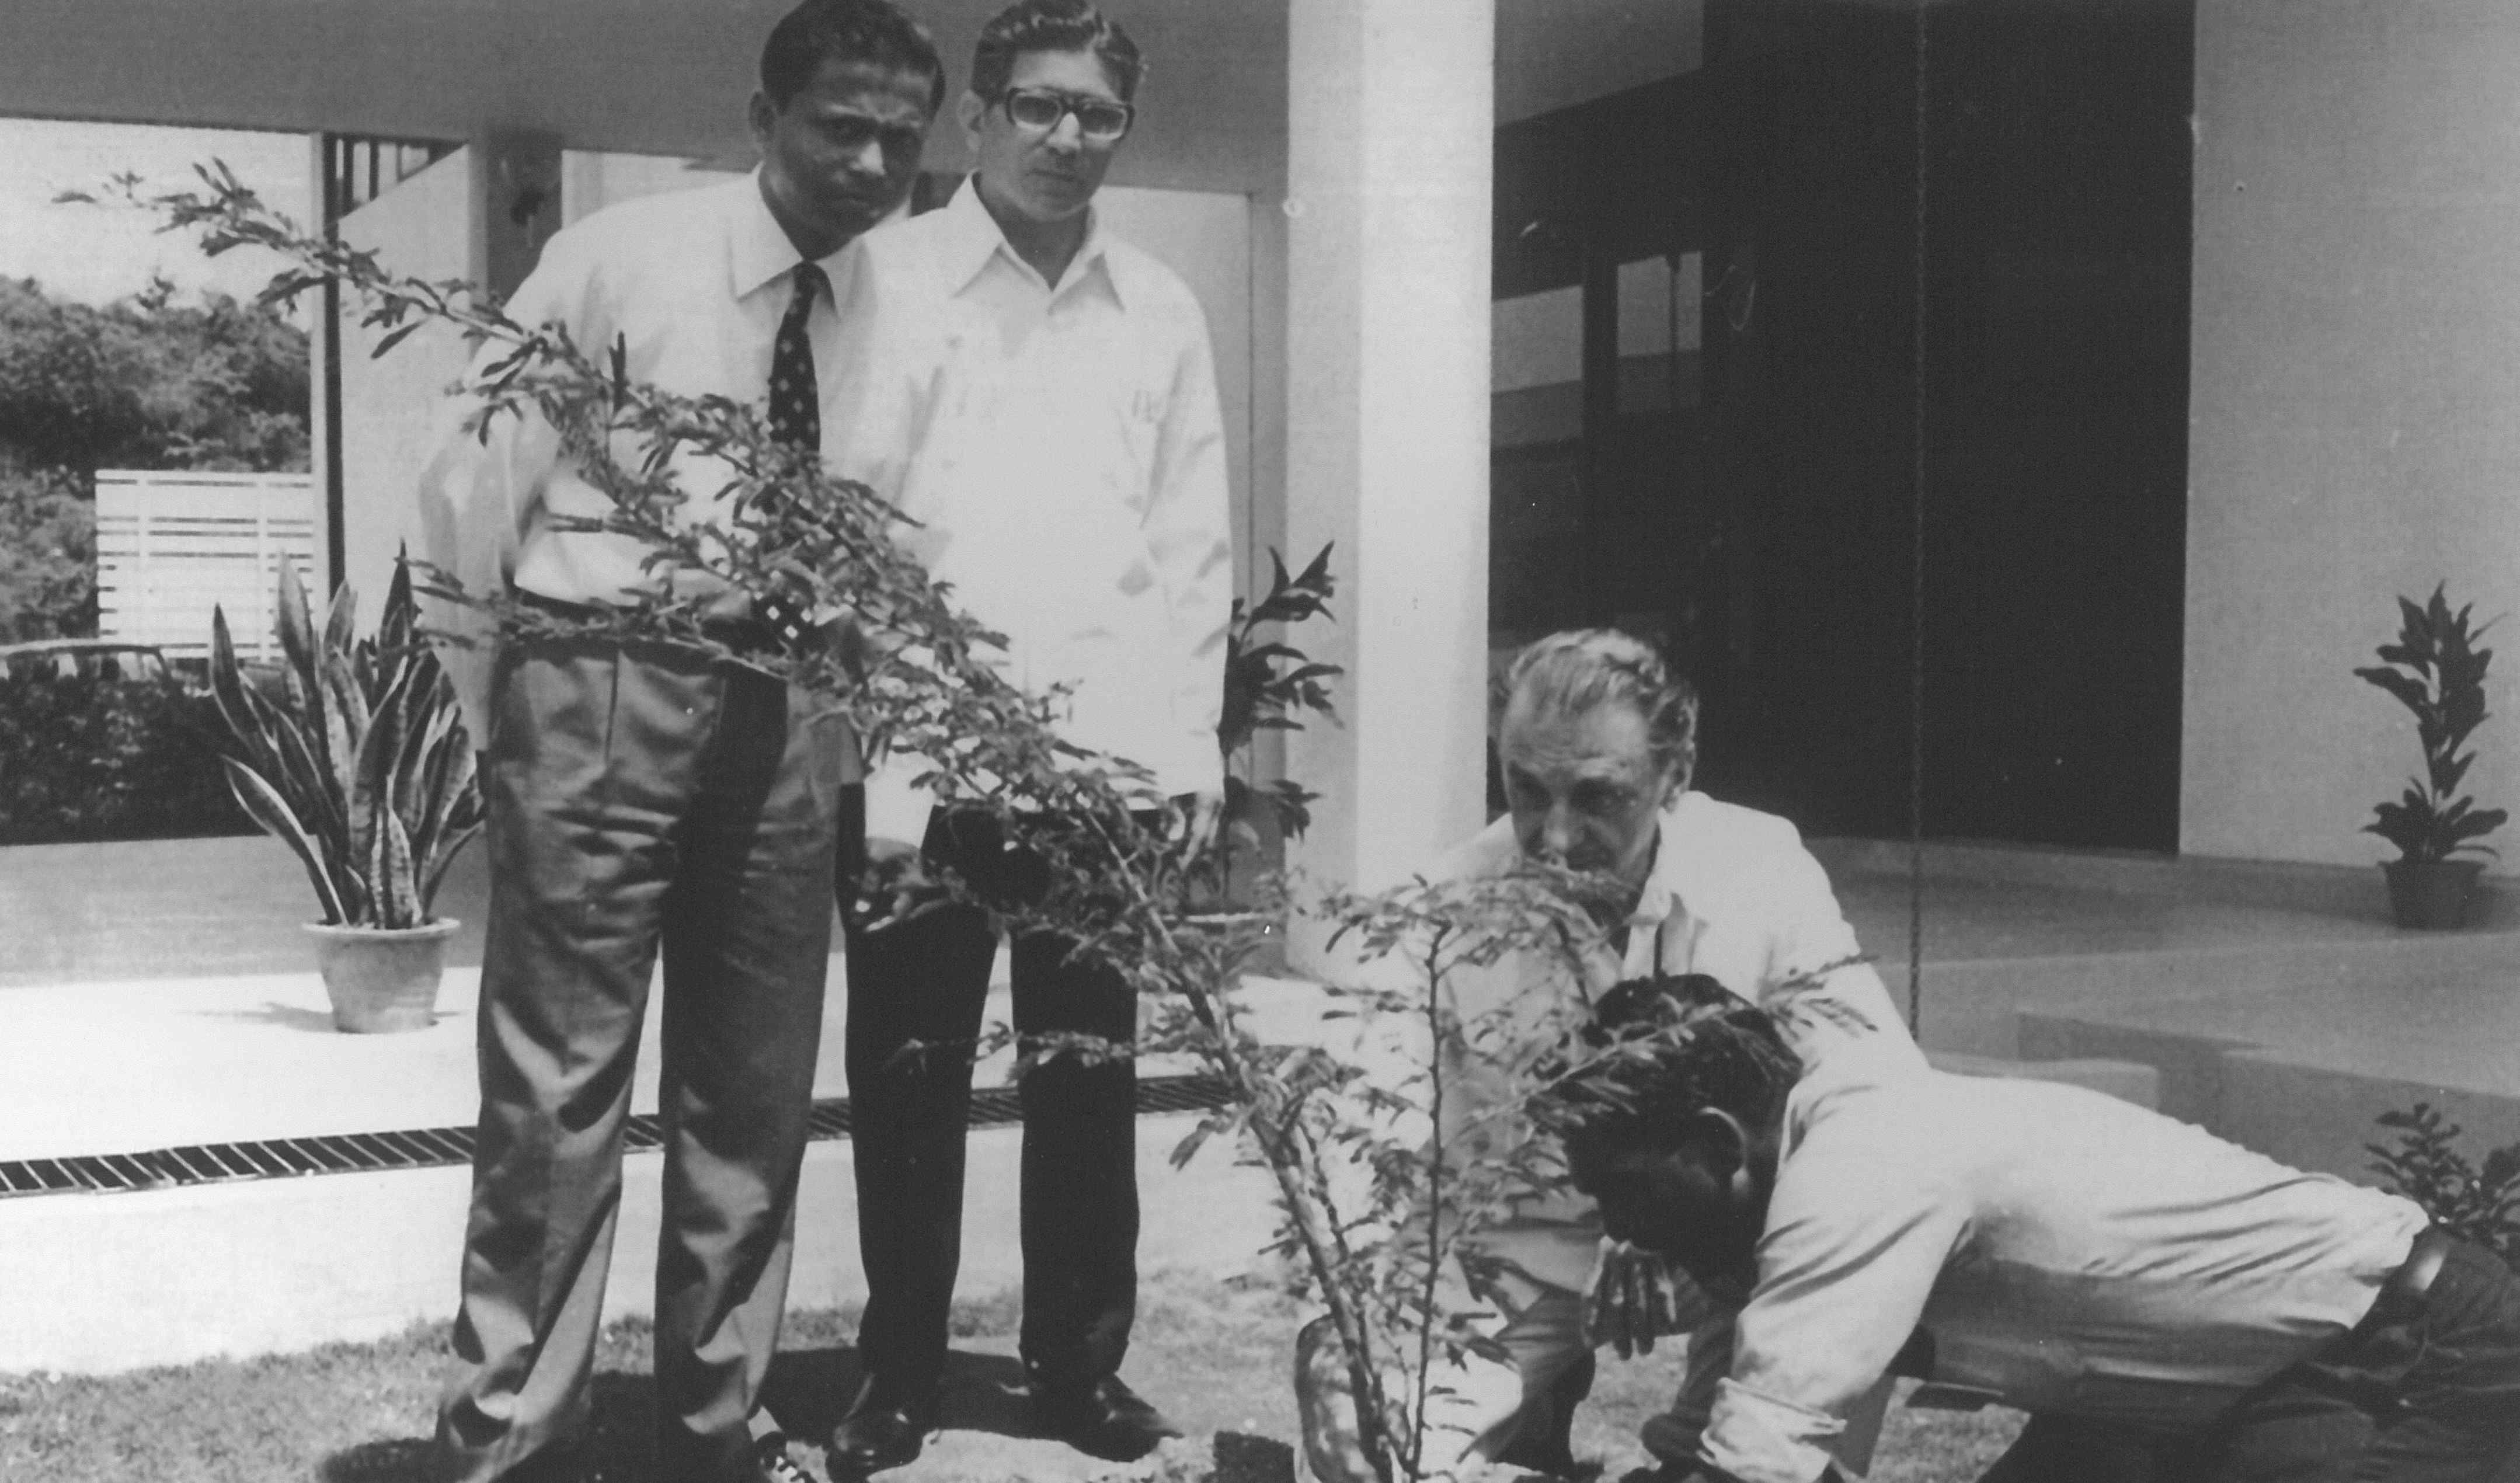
[[2479, 1204], [83, 758]]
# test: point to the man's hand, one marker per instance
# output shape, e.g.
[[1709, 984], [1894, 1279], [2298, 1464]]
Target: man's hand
[[895, 886], [1634, 1302], [1194, 817]]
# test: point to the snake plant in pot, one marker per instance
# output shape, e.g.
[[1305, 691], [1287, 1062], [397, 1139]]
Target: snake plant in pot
[[2436, 669], [361, 766]]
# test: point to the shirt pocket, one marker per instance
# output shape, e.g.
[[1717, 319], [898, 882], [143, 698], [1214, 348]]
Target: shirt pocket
[[1135, 409], [1102, 395]]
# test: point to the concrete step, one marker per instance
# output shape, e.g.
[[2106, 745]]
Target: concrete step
[[2299, 1065], [2125, 1080]]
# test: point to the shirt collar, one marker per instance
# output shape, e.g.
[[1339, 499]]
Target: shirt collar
[[1660, 899], [758, 251], [972, 238], [1689, 857]]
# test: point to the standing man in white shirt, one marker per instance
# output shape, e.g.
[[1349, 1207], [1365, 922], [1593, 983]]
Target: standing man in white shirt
[[1062, 450], [645, 795]]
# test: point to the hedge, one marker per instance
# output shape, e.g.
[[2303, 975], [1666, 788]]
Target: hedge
[[83, 758]]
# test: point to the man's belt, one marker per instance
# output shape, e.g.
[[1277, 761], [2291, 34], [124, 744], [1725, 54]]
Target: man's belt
[[2402, 1296], [744, 635]]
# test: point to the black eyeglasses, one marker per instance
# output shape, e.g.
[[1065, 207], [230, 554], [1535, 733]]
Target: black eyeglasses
[[1096, 118]]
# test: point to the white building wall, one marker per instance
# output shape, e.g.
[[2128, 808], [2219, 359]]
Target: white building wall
[[390, 405], [591, 180], [2356, 371]]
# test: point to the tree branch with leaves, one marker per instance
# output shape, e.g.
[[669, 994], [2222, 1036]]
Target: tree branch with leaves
[[1384, 1174]]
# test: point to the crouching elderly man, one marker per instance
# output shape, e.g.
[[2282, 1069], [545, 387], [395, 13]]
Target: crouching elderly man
[[2194, 1309], [1597, 741]]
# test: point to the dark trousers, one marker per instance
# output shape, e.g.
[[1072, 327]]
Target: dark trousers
[[917, 989], [641, 797], [2425, 1392]]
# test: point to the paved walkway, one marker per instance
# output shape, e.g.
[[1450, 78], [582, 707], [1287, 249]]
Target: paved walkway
[[158, 995], [179, 909], [215, 908], [162, 993]]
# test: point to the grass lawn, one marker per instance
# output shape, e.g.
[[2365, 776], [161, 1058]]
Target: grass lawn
[[1218, 1357]]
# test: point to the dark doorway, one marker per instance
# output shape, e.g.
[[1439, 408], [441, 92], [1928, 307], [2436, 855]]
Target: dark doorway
[[2058, 216], [1762, 514]]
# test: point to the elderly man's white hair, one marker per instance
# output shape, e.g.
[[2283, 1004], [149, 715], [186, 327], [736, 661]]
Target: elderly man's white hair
[[1581, 669]]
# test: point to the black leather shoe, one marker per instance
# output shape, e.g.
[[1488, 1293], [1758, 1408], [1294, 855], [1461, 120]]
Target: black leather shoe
[[1106, 1420], [882, 1430], [770, 1461]]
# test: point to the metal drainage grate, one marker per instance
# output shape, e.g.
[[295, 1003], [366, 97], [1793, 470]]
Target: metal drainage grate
[[433, 1147]]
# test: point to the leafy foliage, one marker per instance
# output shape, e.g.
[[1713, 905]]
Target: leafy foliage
[[148, 383], [1270, 685], [2436, 671], [1407, 1147], [88, 758], [47, 553], [361, 766], [1436, 1166], [2480, 1205]]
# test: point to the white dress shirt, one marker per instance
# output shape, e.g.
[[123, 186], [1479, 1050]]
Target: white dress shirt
[[695, 283], [1731, 895], [2068, 1252], [1734, 895], [1061, 448]]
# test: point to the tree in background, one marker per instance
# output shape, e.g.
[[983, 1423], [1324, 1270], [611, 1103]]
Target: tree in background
[[47, 553], [144, 383]]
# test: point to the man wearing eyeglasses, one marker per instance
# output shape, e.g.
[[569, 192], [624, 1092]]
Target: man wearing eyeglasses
[[1044, 404]]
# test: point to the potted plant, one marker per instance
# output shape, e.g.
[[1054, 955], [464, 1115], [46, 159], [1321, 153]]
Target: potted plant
[[2438, 672], [2477, 1204], [1268, 685], [361, 766]]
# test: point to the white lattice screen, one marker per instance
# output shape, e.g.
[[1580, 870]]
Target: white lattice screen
[[171, 545]]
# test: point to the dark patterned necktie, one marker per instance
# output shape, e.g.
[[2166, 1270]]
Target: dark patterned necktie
[[797, 420], [795, 403]]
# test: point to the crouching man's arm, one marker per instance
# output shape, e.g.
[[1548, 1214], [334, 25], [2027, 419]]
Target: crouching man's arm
[[1845, 1267], [1673, 1436]]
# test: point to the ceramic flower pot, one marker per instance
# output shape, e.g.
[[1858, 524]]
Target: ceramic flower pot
[[2431, 893], [381, 981]]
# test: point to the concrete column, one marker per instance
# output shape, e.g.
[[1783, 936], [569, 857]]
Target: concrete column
[[1389, 186], [324, 356], [449, 220]]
